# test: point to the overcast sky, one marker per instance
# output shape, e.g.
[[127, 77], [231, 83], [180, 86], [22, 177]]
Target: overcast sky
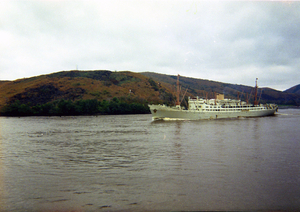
[[226, 41]]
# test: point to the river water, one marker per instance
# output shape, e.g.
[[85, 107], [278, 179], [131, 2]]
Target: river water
[[112, 163]]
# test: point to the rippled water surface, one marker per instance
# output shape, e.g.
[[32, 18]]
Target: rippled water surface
[[111, 163]]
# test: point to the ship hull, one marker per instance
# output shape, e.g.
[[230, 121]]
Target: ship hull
[[168, 113]]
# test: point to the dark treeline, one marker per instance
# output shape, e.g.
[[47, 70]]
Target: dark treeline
[[80, 107]]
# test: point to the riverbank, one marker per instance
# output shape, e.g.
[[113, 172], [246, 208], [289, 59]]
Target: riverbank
[[74, 108], [288, 107]]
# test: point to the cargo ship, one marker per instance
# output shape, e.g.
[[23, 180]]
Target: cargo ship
[[217, 108]]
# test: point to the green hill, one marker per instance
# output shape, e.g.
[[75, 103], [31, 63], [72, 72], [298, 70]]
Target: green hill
[[107, 92]]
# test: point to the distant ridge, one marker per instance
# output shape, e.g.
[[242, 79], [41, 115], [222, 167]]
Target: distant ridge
[[295, 89]]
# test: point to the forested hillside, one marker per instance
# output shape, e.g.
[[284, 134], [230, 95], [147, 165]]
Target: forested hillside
[[107, 92], [58, 93]]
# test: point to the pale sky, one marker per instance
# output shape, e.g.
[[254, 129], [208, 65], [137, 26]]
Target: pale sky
[[227, 41]]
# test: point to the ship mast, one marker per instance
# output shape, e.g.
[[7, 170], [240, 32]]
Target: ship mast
[[178, 92], [255, 95]]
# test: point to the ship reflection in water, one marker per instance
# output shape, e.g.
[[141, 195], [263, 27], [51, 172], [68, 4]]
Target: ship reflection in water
[[111, 163]]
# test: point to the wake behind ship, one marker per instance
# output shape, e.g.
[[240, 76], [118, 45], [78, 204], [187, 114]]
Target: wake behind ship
[[218, 108]]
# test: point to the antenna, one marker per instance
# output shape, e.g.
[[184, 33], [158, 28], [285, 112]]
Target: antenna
[[255, 95]]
